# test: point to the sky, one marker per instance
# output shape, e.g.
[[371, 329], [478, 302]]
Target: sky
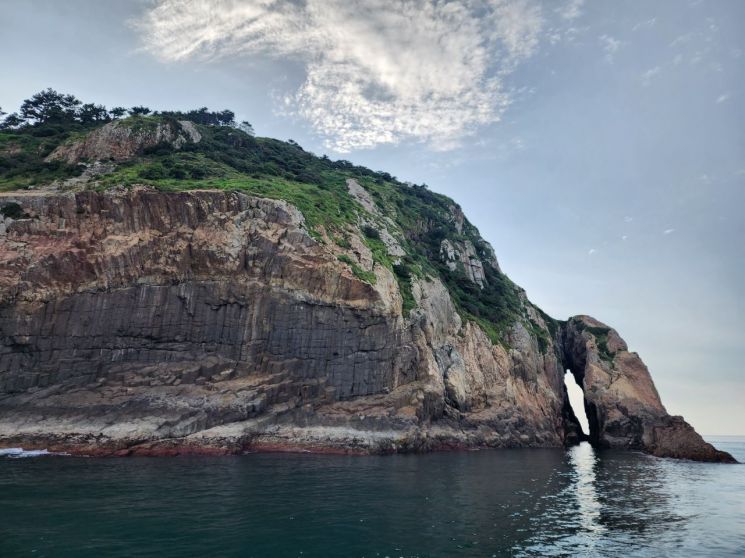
[[598, 145]]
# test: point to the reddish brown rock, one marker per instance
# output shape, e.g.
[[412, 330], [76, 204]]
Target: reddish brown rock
[[152, 323], [621, 401], [144, 322]]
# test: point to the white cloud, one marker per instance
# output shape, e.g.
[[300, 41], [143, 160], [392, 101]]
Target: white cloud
[[517, 144], [624, 237], [648, 75], [591, 252], [571, 9], [668, 231], [377, 71], [681, 39], [723, 97], [646, 23], [628, 219], [610, 46]]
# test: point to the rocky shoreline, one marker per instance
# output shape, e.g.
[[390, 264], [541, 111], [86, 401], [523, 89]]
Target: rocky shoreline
[[140, 322]]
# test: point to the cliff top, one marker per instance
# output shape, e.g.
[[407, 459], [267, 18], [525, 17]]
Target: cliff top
[[55, 144]]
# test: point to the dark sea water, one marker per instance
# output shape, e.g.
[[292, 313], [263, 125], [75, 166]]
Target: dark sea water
[[579, 502]]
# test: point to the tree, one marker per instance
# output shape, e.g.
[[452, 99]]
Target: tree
[[246, 127], [49, 105], [11, 121], [139, 111], [117, 112], [226, 118], [90, 112]]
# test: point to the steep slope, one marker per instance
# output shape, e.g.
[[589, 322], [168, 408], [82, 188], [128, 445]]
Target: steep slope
[[196, 289]]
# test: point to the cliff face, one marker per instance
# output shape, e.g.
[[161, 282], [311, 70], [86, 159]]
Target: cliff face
[[120, 141], [140, 321]]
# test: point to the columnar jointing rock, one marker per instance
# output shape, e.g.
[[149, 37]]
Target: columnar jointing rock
[[145, 322]]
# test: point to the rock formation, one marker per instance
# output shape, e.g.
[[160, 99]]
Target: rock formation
[[144, 322], [621, 401], [122, 140], [171, 286]]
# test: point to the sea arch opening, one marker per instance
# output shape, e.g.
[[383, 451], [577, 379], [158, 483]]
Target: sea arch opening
[[577, 402]]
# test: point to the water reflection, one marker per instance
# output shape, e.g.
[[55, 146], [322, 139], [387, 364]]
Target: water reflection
[[579, 502], [583, 488], [613, 499]]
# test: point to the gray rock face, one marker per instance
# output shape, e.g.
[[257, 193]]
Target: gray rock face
[[206, 321], [123, 139], [376, 219], [462, 256]]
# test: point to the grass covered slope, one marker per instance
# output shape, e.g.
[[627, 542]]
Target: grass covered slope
[[422, 223]]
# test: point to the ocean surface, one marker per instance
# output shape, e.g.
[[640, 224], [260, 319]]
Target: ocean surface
[[579, 502]]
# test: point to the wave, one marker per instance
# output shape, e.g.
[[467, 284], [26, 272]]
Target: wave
[[17, 453]]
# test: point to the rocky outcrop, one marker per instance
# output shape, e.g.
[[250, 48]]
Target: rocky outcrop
[[374, 220], [461, 256], [121, 140], [210, 321], [142, 322], [621, 401]]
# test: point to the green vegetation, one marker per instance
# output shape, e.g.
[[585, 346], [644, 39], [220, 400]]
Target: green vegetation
[[22, 157], [540, 334], [367, 276], [13, 211], [551, 323], [601, 338], [403, 276], [229, 157]]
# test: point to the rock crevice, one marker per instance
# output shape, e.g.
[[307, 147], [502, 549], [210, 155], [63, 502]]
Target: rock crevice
[[208, 321]]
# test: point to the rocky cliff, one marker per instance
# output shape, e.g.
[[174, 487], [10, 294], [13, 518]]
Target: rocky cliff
[[372, 318]]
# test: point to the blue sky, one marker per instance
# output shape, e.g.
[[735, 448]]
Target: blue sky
[[598, 145]]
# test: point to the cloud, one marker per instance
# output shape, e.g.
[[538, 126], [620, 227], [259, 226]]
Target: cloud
[[723, 97], [681, 39], [572, 9], [646, 23], [668, 231], [591, 252], [377, 71], [648, 75], [610, 46]]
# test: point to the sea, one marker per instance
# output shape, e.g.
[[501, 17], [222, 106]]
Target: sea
[[491, 503]]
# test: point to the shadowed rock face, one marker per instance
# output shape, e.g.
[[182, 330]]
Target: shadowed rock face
[[622, 404], [153, 323]]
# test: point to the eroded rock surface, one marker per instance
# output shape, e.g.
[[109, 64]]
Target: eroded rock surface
[[621, 401], [142, 322], [211, 321], [121, 140]]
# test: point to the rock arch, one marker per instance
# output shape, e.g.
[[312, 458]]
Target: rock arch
[[623, 407]]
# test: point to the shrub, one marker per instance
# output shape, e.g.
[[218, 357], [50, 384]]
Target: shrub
[[154, 171], [371, 232], [13, 211]]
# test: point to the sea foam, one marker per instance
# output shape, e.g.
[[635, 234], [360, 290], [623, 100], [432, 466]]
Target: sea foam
[[17, 453]]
